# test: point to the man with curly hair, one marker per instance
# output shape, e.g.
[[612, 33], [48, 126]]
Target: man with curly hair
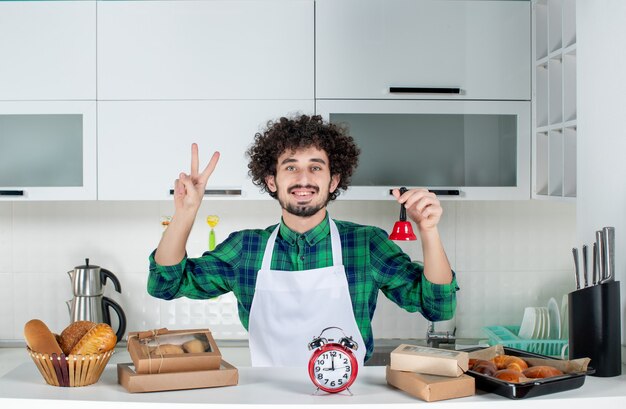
[[309, 272]]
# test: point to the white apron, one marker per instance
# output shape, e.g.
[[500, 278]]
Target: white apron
[[290, 308]]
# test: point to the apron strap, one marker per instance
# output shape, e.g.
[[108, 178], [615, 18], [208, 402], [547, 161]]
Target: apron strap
[[335, 243], [269, 249]]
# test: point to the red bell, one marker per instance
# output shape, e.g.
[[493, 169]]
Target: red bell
[[402, 229]]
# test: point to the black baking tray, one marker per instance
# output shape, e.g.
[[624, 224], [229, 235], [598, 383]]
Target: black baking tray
[[528, 389]]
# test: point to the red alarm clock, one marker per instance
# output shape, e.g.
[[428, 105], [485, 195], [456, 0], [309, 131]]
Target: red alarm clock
[[333, 367]]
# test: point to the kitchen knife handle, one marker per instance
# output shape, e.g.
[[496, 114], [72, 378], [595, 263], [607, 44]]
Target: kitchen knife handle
[[11, 193], [585, 273], [424, 90], [594, 264], [576, 268], [600, 244], [608, 235], [218, 192]]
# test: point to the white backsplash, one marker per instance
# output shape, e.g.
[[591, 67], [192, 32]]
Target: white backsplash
[[507, 255]]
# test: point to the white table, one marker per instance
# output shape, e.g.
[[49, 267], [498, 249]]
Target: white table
[[263, 388]]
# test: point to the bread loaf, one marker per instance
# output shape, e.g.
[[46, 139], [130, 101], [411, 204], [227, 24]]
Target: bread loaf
[[97, 340], [74, 333], [40, 339], [58, 338], [541, 371]]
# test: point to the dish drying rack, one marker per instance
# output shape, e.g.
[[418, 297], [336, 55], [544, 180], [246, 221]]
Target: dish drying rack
[[507, 336]]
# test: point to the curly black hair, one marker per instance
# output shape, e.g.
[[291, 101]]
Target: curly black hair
[[301, 132]]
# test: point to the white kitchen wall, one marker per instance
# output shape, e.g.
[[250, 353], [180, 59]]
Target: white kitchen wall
[[507, 255]]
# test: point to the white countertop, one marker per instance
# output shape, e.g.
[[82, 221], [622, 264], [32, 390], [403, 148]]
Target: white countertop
[[22, 384]]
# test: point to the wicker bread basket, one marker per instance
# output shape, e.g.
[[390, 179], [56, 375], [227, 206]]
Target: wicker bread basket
[[72, 370]]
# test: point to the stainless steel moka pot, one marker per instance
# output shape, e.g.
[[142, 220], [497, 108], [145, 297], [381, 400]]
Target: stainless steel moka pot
[[89, 302]]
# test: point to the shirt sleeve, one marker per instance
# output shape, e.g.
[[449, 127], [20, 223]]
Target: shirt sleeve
[[199, 278], [404, 282]]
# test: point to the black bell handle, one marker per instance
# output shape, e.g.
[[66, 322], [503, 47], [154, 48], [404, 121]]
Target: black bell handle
[[104, 274], [402, 208], [109, 303]]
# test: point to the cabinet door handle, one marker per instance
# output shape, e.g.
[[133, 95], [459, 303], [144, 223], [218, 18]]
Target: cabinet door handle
[[11, 193], [218, 192], [440, 192], [445, 192], [424, 90]]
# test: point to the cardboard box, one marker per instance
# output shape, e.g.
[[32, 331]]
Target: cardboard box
[[140, 345], [431, 387], [226, 375], [432, 361]]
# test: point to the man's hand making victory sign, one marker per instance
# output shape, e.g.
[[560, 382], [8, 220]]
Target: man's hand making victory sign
[[189, 189], [188, 194]]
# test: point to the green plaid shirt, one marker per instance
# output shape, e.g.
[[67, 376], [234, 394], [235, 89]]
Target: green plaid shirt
[[372, 262]]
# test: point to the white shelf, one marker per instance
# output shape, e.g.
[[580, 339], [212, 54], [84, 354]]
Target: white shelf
[[554, 99], [570, 49]]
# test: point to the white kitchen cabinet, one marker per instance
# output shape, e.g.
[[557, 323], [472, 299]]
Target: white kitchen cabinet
[[554, 100], [144, 145], [48, 150], [366, 47], [462, 150], [171, 50], [47, 50]]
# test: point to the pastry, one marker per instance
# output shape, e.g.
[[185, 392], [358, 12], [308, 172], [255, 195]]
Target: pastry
[[73, 333], [166, 349], [485, 367], [508, 375], [40, 339], [541, 371], [510, 362], [97, 340], [194, 346]]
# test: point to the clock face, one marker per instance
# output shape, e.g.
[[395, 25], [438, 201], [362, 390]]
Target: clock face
[[333, 368]]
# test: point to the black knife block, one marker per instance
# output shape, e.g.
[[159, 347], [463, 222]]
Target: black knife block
[[594, 327]]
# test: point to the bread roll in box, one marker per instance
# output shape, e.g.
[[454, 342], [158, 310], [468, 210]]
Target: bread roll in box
[[163, 351]]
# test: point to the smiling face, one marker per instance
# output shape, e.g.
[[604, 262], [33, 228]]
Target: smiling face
[[303, 182]]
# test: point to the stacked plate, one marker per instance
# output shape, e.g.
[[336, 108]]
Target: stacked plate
[[541, 322]]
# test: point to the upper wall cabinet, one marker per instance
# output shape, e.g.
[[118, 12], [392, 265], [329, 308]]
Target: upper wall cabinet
[[48, 150], [144, 145], [47, 50], [205, 50], [460, 150], [423, 49]]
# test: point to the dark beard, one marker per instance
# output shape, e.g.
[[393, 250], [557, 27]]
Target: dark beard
[[305, 210]]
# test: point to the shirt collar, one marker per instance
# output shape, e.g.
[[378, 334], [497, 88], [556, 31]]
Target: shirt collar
[[312, 236]]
